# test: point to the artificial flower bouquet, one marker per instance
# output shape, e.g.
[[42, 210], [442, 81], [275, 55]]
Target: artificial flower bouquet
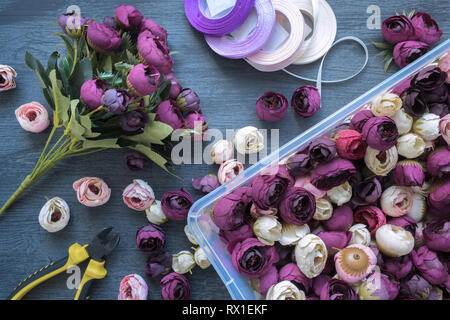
[[112, 88]]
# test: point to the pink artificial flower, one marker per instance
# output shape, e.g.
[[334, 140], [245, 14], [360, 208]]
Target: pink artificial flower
[[133, 287], [7, 75], [228, 170], [305, 182], [444, 127], [33, 117], [92, 192], [445, 66], [138, 195]]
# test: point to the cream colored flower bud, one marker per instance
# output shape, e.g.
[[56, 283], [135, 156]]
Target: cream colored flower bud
[[381, 162], [427, 126], [155, 214], [324, 209], [201, 259], [54, 215], [285, 290], [311, 255], [360, 235], [394, 241], [396, 201], [249, 140], [183, 262], [340, 194], [403, 121], [419, 207], [291, 234], [267, 229], [190, 236], [410, 146], [386, 105], [222, 151], [424, 190]]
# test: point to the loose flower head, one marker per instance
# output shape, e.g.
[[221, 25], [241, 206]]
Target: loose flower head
[[427, 126], [92, 192], [176, 204], [381, 162], [150, 239], [336, 289], [222, 151], [298, 206], [380, 133], [54, 215], [285, 290], [138, 195], [409, 173], [7, 75], [248, 140], [102, 38], [403, 121], [354, 263], [272, 106], [267, 229], [33, 117], [396, 201], [175, 287], [136, 161], [229, 170], [133, 287], [155, 214], [350, 145], [332, 174], [322, 150], [201, 259], [306, 101], [311, 255], [386, 105], [183, 262], [394, 241]]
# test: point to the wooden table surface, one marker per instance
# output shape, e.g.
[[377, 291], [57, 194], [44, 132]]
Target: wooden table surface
[[228, 91]]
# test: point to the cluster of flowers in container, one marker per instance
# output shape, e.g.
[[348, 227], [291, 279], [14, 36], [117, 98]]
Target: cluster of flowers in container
[[362, 213]]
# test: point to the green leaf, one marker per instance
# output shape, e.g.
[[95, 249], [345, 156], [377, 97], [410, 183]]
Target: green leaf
[[152, 155], [68, 43], [81, 74], [123, 67], [86, 122], [107, 64], [52, 61], [105, 76], [383, 45], [62, 103], [384, 53], [388, 62], [35, 65], [411, 13], [105, 143], [131, 58], [153, 133], [74, 128]]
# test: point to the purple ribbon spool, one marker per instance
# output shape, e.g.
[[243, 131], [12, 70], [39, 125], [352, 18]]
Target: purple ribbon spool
[[233, 49], [218, 27]]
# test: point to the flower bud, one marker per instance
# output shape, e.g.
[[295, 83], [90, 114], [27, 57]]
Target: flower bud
[[306, 101], [183, 262], [91, 93], [336, 289], [222, 151], [410, 146], [128, 17], [332, 174], [349, 145], [299, 164], [397, 29], [32, 117], [54, 215], [354, 263], [380, 133], [379, 286], [150, 239], [394, 241], [335, 240], [267, 229], [341, 220], [371, 216], [102, 38], [427, 126], [386, 105], [116, 100], [169, 114], [358, 121], [340, 194], [143, 80], [381, 162], [154, 52], [229, 170], [133, 287], [136, 161], [415, 104], [176, 204], [397, 201], [206, 184], [92, 192], [416, 286], [175, 88], [360, 234], [201, 259], [366, 192], [426, 28], [159, 264], [438, 163], [190, 236], [7, 75], [175, 287], [158, 31], [436, 235], [72, 24], [297, 206], [155, 214], [188, 101], [272, 107], [285, 290], [322, 150], [419, 207], [429, 265], [138, 195], [324, 209], [439, 200], [248, 140], [409, 173], [403, 121], [292, 234], [408, 51], [311, 255]]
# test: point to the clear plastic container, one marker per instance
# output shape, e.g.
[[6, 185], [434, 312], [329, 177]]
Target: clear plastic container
[[199, 220]]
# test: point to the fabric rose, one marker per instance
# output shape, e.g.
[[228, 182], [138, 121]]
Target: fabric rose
[[444, 127], [116, 100], [134, 120], [248, 140], [91, 93], [190, 236], [136, 161], [54, 215], [297, 206], [418, 208], [201, 259], [429, 265], [292, 234], [337, 290], [32, 117], [267, 191], [159, 264], [240, 233], [394, 241], [341, 220], [175, 88], [332, 174], [360, 234], [379, 286], [72, 24], [229, 170], [366, 192], [175, 287], [371, 216], [403, 121], [110, 22], [305, 182], [128, 17], [409, 173], [263, 284], [143, 80], [436, 235], [92, 192], [206, 184], [399, 267], [252, 258], [354, 263], [183, 262], [272, 107], [222, 151], [335, 240], [138, 195], [415, 105], [158, 31], [340, 194], [197, 123], [380, 133], [396, 201], [322, 150], [306, 101], [438, 163], [429, 79], [359, 120], [427, 30], [324, 209], [102, 38], [406, 222], [398, 29], [311, 255], [229, 212], [7, 75], [409, 51], [386, 105], [415, 286], [285, 290], [155, 214], [381, 162], [267, 229], [291, 272], [410, 146], [299, 164], [154, 52], [427, 126], [188, 101], [169, 113], [133, 287], [176, 204], [349, 145], [150, 239], [439, 201]]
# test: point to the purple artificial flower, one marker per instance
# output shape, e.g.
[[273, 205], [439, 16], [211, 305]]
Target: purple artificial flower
[[429, 79], [409, 51], [388, 287], [415, 286], [197, 123], [399, 267], [72, 24], [439, 201], [427, 29], [358, 120], [150, 239], [206, 184], [267, 280], [154, 52], [440, 109], [322, 150], [143, 80], [335, 240], [136, 161], [175, 88], [229, 212], [176, 204], [134, 120], [409, 174], [318, 283], [332, 174], [175, 286], [380, 133], [366, 192], [243, 232], [158, 31], [158, 265], [91, 93], [373, 217], [110, 22], [188, 101], [438, 163], [272, 106], [299, 164], [253, 259], [102, 38], [116, 100], [128, 17], [401, 87], [267, 191], [436, 235], [378, 254], [341, 220], [169, 113], [430, 267], [414, 104], [297, 206], [406, 222], [306, 101], [335, 289], [286, 255], [397, 29], [291, 272]]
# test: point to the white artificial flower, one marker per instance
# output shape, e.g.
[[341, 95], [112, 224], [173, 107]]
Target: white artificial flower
[[427, 126], [155, 214], [222, 151], [386, 105], [410, 146], [324, 209], [201, 259], [403, 121], [419, 207], [248, 140], [394, 241], [291, 234], [311, 255], [285, 290], [340, 194], [381, 162], [267, 229], [190, 236], [360, 234], [183, 262], [54, 215]]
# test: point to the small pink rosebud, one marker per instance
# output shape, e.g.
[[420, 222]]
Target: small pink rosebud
[[92, 192], [138, 195], [7, 75], [33, 117]]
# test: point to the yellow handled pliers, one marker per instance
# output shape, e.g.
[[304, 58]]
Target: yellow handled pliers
[[103, 244]]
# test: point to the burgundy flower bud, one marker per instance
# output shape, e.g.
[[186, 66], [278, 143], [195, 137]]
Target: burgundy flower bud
[[229, 212], [291, 272], [91, 93], [175, 286], [380, 133], [406, 222], [297, 206], [358, 120], [169, 113], [286, 255], [158, 31], [319, 282], [267, 190], [341, 220], [154, 52], [110, 22], [337, 290], [409, 173], [267, 280], [158, 265], [436, 235], [378, 254], [116, 100], [332, 174], [438, 163], [197, 123], [335, 240], [398, 29], [430, 267], [415, 286], [103, 38], [439, 201], [299, 164], [427, 29], [253, 259], [150, 239], [128, 17], [241, 233], [176, 204], [306, 101], [371, 216], [143, 80], [366, 192], [429, 79], [414, 104], [188, 100], [322, 150], [399, 267], [408, 51], [440, 109], [72, 24], [136, 161], [438, 95], [134, 120], [350, 145], [175, 88], [206, 184], [272, 106]]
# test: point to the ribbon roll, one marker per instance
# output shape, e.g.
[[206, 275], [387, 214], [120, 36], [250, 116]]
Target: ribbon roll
[[324, 30], [238, 49], [287, 52], [220, 26]]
